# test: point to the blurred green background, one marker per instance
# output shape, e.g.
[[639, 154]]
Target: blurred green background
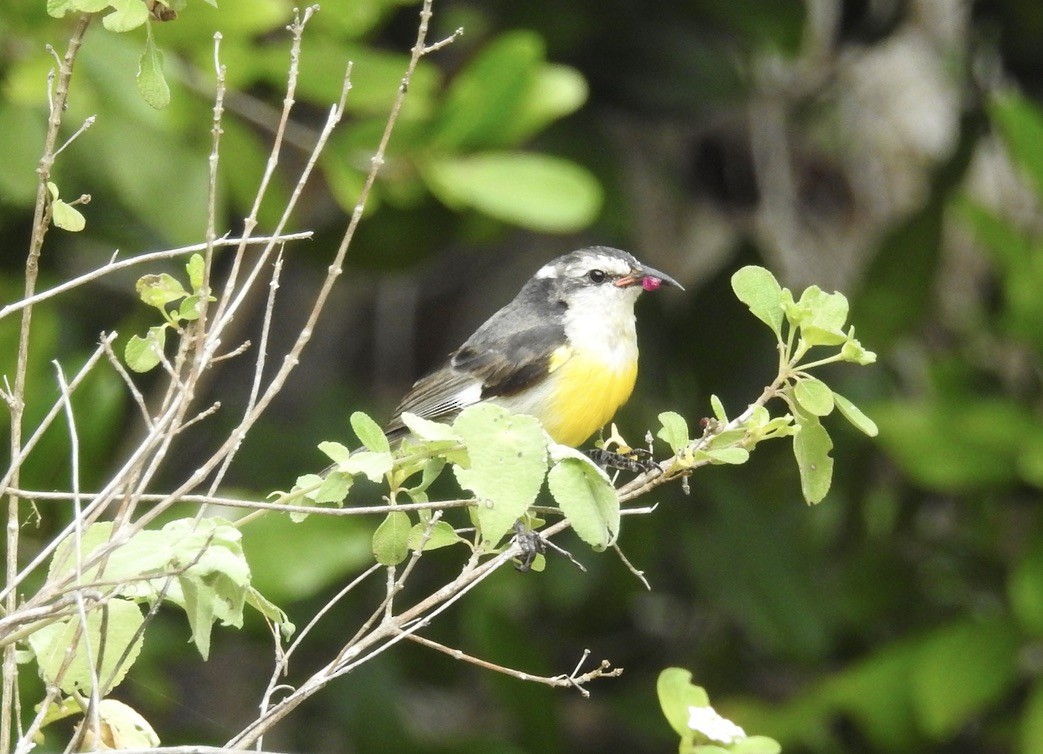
[[890, 149]]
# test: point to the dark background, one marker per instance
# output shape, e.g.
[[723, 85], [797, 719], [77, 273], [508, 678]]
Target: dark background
[[885, 149]]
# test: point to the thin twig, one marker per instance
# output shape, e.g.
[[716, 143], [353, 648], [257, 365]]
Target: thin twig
[[250, 221], [52, 413], [117, 366], [604, 670], [86, 124], [41, 222], [255, 385], [231, 502], [145, 258]]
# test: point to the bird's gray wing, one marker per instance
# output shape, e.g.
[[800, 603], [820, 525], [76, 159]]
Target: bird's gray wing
[[509, 353]]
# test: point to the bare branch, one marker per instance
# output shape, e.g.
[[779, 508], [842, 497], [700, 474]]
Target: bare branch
[[574, 680], [41, 222], [152, 256]]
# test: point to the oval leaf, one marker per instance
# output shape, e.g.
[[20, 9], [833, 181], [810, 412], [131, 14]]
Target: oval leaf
[[121, 620], [674, 431], [587, 498], [67, 217], [152, 84], [854, 414], [508, 457], [534, 191], [676, 694], [143, 354], [128, 14], [160, 290], [814, 396], [760, 291], [811, 446], [370, 433], [442, 535], [391, 539]]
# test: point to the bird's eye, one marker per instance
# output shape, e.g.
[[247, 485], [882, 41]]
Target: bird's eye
[[597, 276]]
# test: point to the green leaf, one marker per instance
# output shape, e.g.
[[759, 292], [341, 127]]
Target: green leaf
[[213, 575], [734, 456], [961, 670], [728, 438], [425, 429], [152, 84], [555, 91], [431, 471], [488, 95], [391, 539], [190, 308], [442, 535], [67, 217], [1021, 124], [195, 267], [755, 745], [760, 291], [854, 414], [310, 482], [91, 6], [124, 727], [508, 457], [811, 446], [160, 290], [370, 433], [271, 611], [334, 488], [587, 498], [373, 466], [814, 396], [58, 8], [676, 694], [822, 317], [64, 560], [534, 191], [121, 620], [143, 354], [718, 409], [128, 14], [674, 431], [335, 451]]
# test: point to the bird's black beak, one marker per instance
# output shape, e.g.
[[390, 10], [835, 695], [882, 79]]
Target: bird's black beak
[[649, 278]]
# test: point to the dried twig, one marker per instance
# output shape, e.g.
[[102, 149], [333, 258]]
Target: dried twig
[[41, 222]]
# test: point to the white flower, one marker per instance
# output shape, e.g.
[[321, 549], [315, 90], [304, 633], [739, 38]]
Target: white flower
[[705, 720]]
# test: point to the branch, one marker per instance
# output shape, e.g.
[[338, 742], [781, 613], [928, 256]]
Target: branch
[[604, 669], [152, 256], [41, 222]]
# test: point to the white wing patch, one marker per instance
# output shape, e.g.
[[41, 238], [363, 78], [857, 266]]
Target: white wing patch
[[463, 398]]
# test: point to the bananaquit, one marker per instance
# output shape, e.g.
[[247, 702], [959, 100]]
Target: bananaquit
[[564, 350]]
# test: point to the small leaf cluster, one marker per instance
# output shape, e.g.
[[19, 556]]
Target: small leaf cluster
[[814, 320], [679, 698], [143, 353], [126, 15], [502, 459], [197, 565], [63, 214]]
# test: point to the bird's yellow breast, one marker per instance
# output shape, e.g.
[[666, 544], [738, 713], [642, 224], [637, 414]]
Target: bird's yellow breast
[[585, 393]]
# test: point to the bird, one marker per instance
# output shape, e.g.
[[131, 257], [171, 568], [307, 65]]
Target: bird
[[564, 350]]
